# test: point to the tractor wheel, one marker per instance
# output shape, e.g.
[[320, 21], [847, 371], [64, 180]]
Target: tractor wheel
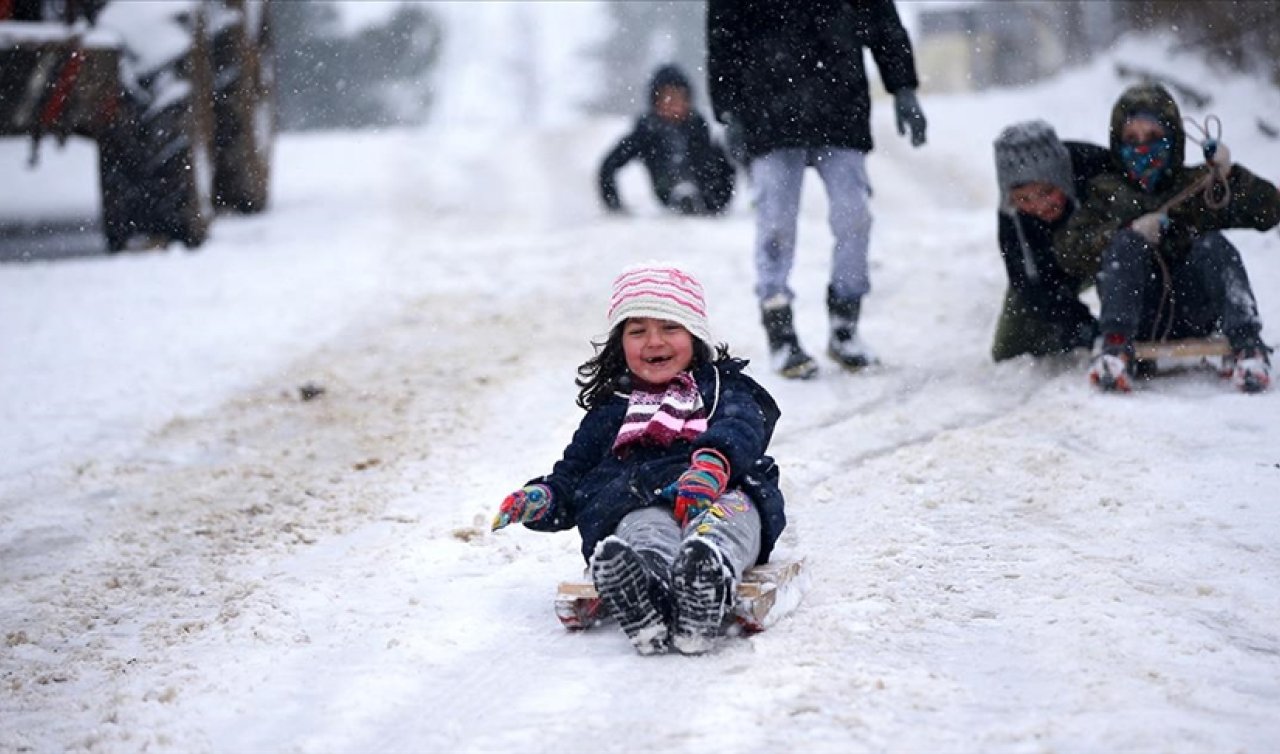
[[123, 196], [244, 113], [177, 136]]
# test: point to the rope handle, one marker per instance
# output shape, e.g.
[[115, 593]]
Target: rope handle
[[1216, 190]]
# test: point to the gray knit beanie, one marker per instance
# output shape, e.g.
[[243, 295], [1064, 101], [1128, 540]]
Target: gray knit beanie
[[1031, 152]]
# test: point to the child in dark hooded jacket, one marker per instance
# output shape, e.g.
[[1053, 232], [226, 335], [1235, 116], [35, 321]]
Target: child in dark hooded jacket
[[691, 174], [667, 477], [1151, 232]]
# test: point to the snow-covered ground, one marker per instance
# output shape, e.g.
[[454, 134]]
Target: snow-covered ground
[[194, 559]]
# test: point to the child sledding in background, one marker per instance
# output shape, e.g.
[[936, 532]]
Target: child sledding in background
[[1151, 233], [667, 477], [1041, 180], [690, 172]]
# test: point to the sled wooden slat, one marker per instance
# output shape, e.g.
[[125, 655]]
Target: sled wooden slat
[[1191, 348], [578, 605]]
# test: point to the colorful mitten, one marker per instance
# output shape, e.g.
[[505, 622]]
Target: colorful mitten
[[701, 485], [524, 505]]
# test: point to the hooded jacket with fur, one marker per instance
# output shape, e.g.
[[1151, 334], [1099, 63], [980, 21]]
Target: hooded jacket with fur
[[1114, 200]]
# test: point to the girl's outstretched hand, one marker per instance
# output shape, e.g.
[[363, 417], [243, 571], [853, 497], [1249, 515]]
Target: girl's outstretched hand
[[701, 485], [526, 504]]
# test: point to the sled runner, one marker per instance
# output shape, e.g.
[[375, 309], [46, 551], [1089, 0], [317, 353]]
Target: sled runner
[[767, 593]]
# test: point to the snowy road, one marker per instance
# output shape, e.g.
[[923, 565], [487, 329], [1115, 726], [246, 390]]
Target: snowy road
[[999, 559]]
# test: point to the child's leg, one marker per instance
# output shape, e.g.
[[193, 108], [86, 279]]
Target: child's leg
[[631, 570], [732, 525], [718, 548], [1213, 292], [652, 532], [1128, 273]]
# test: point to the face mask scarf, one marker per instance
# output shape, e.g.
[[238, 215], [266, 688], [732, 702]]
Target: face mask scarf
[[1147, 163]]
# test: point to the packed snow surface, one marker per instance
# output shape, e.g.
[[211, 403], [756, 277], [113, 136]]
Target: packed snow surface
[[193, 558]]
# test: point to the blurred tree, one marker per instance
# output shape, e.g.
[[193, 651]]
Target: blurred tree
[[375, 77], [1242, 33]]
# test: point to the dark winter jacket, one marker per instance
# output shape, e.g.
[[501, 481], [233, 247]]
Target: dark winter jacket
[[671, 151], [791, 73], [592, 488], [1026, 245], [1113, 200]]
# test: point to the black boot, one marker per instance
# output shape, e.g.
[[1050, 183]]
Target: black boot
[[844, 345], [705, 590], [784, 347], [635, 591]]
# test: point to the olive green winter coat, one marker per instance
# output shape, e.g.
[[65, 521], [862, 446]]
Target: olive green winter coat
[[1113, 200]]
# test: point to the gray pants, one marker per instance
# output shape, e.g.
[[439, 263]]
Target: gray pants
[[1209, 291], [777, 178], [732, 525]]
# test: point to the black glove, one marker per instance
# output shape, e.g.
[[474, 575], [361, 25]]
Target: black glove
[[909, 115]]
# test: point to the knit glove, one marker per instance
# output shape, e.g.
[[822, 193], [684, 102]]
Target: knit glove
[[529, 503], [910, 115], [1150, 226], [701, 485]]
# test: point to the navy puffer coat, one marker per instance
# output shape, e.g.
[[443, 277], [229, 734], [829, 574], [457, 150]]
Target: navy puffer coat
[[592, 488]]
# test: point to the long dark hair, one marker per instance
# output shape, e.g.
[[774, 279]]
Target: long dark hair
[[607, 371]]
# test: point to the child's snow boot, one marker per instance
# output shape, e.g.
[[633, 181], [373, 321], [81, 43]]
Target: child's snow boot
[[705, 589], [634, 593], [845, 346], [784, 347], [1251, 367], [1112, 368]]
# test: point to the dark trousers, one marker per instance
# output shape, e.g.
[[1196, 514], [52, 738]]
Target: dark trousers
[[1203, 293]]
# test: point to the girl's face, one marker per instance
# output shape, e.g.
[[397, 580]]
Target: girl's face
[[656, 349]]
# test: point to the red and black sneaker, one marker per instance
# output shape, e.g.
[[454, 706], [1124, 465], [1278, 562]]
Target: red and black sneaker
[[1112, 368], [1251, 369]]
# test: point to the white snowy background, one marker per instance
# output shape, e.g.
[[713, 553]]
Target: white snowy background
[[193, 559]]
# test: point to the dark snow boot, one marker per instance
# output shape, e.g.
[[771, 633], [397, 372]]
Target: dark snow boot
[[634, 592], [784, 347], [844, 345], [705, 589]]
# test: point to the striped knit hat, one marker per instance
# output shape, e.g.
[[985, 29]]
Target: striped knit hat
[[661, 291]]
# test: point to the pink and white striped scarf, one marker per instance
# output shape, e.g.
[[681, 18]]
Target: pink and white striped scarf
[[662, 417]]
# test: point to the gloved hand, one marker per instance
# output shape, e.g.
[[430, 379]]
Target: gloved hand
[[612, 203], [735, 140], [1151, 226], [1217, 155], [909, 114], [701, 485], [529, 503]]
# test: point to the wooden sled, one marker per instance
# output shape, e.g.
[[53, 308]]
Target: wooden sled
[[767, 593], [1191, 349], [1172, 355]]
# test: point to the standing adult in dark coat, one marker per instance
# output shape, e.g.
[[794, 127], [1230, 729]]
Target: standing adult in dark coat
[[789, 78], [690, 173]]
